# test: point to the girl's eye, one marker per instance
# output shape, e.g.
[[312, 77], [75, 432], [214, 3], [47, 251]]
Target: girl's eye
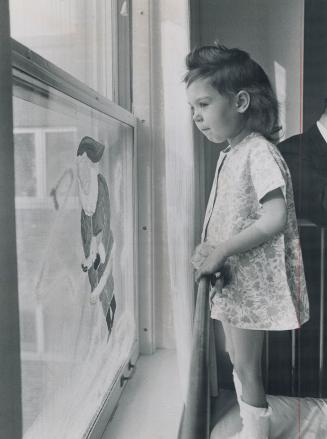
[[203, 104]]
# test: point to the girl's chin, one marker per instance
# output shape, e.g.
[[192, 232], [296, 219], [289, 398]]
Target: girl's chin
[[215, 139]]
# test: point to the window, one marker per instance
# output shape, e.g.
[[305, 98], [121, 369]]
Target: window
[[75, 211], [89, 39], [75, 35]]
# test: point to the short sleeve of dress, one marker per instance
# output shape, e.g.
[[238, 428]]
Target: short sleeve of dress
[[265, 172]]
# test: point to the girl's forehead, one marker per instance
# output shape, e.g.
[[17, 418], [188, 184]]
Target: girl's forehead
[[200, 89]]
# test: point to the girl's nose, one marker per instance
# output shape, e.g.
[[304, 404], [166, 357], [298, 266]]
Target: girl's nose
[[197, 117]]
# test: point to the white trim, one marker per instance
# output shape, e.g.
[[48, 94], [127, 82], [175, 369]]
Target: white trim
[[114, 53], [142, 91], [136, 240]]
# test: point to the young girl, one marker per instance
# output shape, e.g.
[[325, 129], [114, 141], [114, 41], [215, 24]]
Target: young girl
[[250, 234]]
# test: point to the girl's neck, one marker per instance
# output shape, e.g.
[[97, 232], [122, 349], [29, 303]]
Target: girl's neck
[[239, 137]]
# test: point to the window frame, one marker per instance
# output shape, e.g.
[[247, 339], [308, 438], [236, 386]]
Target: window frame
[[10, 383], [24, 65], [25, 62]]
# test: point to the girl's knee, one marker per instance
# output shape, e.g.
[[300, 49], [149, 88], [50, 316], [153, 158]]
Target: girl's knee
[[247, 372]]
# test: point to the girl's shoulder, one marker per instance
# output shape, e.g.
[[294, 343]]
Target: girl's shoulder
[[264, 154], [256, 140], [256, 144]]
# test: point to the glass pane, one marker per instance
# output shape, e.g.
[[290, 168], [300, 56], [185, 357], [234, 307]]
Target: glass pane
[[76, 35], [59, 149], [25, 168], [75, 259]]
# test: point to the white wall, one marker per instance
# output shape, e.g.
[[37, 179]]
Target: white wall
[[235, 23], [285, 47]]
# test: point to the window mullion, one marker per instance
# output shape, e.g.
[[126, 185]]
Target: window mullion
[[10, 382]]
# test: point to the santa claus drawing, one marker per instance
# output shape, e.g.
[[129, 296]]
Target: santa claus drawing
[[97, 237]]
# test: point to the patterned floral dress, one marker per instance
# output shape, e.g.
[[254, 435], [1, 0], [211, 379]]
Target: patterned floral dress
[[265, 287]]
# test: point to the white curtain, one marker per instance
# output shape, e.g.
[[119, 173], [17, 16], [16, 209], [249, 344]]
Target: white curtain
[[179, 177]]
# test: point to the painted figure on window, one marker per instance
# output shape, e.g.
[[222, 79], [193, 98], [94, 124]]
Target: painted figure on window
[[96, 233]]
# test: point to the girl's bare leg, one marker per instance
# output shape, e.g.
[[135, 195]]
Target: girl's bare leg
[[247, 353], [228, 340]]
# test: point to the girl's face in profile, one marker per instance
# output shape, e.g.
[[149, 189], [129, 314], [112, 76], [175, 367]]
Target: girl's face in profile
[[216, 116]]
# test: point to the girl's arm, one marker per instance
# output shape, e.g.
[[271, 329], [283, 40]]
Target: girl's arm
[[272, 221]]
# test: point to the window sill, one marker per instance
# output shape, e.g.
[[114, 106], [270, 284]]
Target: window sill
[[151, 404]]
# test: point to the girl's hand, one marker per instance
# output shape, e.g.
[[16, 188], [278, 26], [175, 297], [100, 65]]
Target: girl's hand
[[213, 263], [200, 254]]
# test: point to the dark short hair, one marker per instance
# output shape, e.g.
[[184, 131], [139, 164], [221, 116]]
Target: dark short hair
[[232, 70]]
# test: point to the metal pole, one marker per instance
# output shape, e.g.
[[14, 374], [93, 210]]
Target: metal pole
[[195, 422]]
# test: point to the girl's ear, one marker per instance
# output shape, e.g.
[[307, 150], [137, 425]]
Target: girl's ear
[[242, 101]]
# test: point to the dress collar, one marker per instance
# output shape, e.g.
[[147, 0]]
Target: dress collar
[[245, 139]]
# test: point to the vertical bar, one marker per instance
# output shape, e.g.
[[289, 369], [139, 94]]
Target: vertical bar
[[293, 365], [322, 311], [10, 387], [124, 53], [142, 91], [267, 360], [114, 54]]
